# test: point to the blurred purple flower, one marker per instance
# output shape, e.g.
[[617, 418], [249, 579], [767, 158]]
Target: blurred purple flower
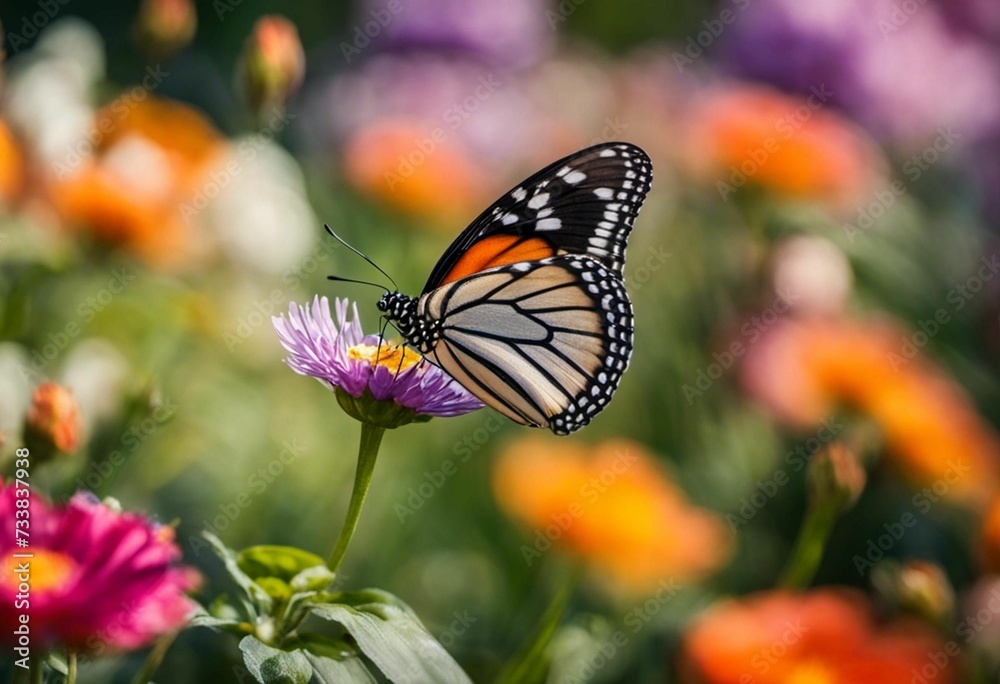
[[976, 16], [903, 75], [479, 110], [342, 357], [506, 32]]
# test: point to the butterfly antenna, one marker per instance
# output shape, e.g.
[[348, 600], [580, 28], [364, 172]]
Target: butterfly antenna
[[360, 254], [339, 279]]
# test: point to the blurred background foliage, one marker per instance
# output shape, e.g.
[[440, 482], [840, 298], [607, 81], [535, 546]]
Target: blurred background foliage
[[177, 368]]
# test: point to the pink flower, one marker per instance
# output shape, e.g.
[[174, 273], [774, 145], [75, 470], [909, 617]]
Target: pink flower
[[99, 579]]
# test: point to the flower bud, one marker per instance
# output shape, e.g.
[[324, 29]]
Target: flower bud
[[272, 64], [164, 27], [917, 587], [836, 477], [53, 424]]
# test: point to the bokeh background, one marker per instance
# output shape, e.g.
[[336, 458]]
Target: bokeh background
[[819, 248]]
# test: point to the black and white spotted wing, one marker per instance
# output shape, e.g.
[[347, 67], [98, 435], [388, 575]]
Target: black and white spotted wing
[[584, 203], [545, 342], [527, 309]]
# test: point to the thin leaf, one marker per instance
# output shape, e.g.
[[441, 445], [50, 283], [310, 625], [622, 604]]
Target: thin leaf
[[222, 624], [531, 662], [255, 601]]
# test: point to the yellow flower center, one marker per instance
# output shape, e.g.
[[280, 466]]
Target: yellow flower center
[[396, 359], [811, 672], [45, 570]]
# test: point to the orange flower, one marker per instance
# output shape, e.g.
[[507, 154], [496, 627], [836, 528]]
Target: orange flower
[[825, 636], [188, 141], [11, 166], [793, 147], [114, 215], [610, 505], [53, 423], [397, 163], [152, 159], [805, 369]]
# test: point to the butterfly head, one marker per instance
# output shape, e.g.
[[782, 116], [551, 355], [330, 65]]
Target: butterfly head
[[401, 310], [393, 304]]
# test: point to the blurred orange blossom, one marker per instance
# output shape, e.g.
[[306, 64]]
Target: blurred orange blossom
[[166, 26], [11, 166], [824, 636], [793, 147], [396, 162], [610, 505], [152, 157], [807, 369]]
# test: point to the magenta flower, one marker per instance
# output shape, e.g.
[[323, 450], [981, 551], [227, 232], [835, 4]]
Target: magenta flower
[[100, 579], [374, 381]]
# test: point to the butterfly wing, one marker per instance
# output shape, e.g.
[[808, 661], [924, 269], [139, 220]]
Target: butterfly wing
[[544, 342], [582, 204]]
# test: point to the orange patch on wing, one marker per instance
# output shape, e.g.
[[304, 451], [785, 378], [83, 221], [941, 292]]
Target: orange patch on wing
[[498, 250]]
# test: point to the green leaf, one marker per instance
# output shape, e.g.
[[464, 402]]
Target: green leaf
[[315, 659], [57, 661], [276, 588], [283, 562], [334, 662], [221, 624], [316, 578], [390, 634], [220, 608], [254, 600], [272, 665], [332, 671]]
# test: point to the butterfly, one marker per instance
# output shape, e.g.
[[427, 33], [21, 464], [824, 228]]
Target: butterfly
[[527, 308]]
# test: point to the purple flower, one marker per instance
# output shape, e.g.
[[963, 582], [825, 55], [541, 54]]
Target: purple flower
[[507, 32], [904, 74], [374, 382]]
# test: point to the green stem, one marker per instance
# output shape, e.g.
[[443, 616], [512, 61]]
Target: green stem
[[371, 438], [154, 659], [21, 675], [37, 670], [528, 664], [809, 546], [70, 667]]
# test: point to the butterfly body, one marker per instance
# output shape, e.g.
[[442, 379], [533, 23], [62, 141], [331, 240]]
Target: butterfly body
[[528, 308]]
